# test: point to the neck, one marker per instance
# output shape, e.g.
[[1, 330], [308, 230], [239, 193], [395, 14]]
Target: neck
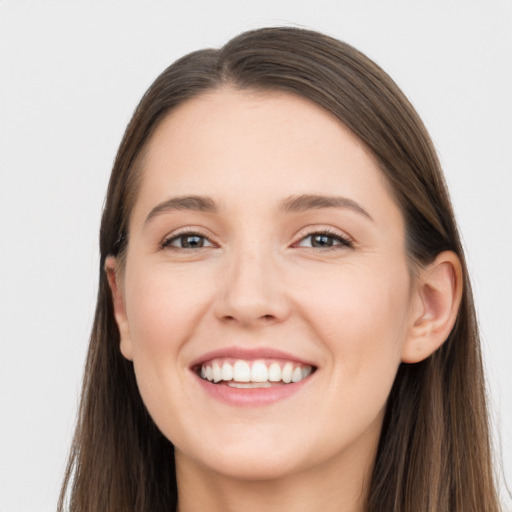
[[335, 485]]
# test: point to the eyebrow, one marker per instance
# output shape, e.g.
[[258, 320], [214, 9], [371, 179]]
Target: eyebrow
[[315, 202], [293, 204], [194, 203]]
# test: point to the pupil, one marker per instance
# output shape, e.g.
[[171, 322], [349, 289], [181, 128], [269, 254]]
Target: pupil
[[322, 241], [193, 241]]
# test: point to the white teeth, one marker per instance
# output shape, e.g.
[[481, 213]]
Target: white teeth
[[248, 385], [241, 372], [287, 373], [274, 373], [227, 372], [297, 375], [259, 372], [217, 373], [257, 375]]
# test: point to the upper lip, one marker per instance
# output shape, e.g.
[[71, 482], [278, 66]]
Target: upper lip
[[249, 354]]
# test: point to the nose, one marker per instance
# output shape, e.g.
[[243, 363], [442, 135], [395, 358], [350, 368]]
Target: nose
[[251, 292]]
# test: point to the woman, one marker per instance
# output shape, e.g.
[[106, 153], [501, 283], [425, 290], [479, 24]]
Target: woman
[[284, 318]]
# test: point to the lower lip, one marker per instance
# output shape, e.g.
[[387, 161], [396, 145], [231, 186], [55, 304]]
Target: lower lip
[[251, 396]]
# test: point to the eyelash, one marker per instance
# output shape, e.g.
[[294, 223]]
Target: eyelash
[[344, 242], [166, 244]]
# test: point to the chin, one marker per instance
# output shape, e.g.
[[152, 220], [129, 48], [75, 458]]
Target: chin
[[245, 454], [255, 467]]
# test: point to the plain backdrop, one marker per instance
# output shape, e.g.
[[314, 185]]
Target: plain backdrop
[[71, 73]]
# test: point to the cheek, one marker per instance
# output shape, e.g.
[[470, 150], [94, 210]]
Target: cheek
[[361, 320], [162, 308], [361, 317]]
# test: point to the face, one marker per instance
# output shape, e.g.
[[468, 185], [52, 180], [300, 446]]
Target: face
[[265, 297]]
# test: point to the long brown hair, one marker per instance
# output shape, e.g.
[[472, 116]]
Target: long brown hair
[[434, 451]]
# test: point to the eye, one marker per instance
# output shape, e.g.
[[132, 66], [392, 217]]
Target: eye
[[187, 241], [324, 240]]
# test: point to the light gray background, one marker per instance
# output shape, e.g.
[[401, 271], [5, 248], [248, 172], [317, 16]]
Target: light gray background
[[70, 75]]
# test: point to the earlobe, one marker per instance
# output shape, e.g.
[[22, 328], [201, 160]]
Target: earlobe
[[436, 303], [119, 306]]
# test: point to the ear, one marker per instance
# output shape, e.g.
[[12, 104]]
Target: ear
[[435, 305], [113, 276]]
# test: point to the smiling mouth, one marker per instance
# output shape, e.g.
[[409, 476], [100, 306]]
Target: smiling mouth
[[246, 374]]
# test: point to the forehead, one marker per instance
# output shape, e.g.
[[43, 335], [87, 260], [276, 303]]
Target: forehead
[[244, 123], [237, 146]]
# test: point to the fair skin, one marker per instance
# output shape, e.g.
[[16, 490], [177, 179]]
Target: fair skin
[[252, 269]]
